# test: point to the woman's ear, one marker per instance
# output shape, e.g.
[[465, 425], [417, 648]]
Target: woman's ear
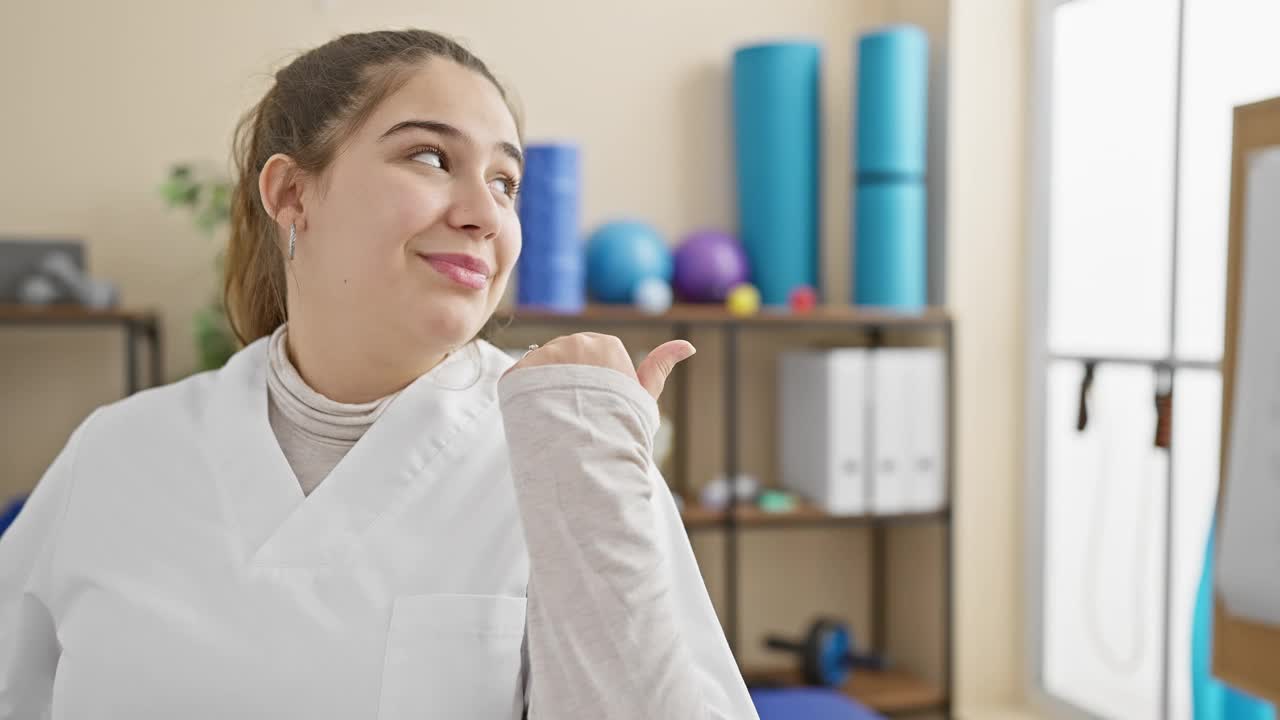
[[281, 193]]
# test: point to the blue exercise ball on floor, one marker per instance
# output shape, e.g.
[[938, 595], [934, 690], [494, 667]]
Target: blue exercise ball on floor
[[809, 704], [621, 255]]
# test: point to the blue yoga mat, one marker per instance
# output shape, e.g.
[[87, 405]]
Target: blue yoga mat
[[550, 272], [890, 254], [776, 141]]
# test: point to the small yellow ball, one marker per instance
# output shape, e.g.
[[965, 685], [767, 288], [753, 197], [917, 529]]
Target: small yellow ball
[[743, 300]]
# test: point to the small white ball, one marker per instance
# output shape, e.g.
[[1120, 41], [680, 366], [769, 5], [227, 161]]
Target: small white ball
[[653, 296], [715, 494]]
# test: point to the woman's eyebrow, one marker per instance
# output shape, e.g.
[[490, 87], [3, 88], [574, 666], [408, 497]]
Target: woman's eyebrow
[[449, 131]]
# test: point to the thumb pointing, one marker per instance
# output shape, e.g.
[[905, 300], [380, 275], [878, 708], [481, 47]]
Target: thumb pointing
[[658, 364]]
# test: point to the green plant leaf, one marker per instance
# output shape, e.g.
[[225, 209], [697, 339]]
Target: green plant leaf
[[209, 201], [215, 342]]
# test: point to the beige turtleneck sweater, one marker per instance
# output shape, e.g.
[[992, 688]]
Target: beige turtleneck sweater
[[314, 432]]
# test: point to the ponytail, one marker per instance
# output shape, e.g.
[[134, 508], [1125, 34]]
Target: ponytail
[[253, 290]]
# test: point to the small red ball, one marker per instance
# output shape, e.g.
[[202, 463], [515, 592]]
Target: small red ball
[[803, 299]]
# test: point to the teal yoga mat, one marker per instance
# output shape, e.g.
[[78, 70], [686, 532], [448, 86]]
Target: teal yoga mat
[[893, 102], [890, 266], [890, 240], [776, 143]]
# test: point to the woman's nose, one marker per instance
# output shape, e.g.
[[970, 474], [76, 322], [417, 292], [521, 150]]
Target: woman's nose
[[474, 210]]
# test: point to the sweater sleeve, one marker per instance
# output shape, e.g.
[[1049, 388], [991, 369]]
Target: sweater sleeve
[[620, 624]]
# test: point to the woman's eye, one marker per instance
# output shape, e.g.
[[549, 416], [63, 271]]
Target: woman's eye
[[434, 158], [502, 185]]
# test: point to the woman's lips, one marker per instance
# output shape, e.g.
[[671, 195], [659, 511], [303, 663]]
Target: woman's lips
[[465, 270]]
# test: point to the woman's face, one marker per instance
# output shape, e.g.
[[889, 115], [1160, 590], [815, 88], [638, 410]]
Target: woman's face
[[411, 240]]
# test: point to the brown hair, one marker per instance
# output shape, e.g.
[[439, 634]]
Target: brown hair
[[317, 102]]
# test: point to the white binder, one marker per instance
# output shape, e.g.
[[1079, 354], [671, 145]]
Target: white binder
[[890, 417], [926, 430], [822, 416], [864, 431]]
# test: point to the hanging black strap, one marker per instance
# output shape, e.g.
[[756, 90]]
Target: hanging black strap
[[1082, 415]]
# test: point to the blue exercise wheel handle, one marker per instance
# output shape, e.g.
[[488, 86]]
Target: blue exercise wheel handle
[[827, 657]]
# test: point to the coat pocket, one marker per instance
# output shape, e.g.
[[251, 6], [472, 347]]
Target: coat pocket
[[454, 656]]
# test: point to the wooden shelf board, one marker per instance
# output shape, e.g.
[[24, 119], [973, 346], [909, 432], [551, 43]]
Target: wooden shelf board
[[885, 691], [69, 314], [716, 314], [697, 517]]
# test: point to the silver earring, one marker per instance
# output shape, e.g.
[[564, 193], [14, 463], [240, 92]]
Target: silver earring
[[293, 238]]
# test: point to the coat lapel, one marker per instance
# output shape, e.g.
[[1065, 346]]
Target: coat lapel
[[257, 485], [280, 527]]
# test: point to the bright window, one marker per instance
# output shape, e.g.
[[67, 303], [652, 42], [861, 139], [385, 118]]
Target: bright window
[[1133, 186]]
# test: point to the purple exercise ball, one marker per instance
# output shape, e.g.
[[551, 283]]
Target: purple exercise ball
[[708, 264]]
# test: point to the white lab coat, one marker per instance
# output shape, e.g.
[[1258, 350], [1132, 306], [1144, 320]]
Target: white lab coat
[[169, 566]]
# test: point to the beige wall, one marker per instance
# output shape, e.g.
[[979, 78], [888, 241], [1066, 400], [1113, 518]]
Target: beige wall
[[990, 57], [101, 97]]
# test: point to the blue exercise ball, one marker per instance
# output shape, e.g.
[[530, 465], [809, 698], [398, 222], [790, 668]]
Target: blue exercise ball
[[623, 254]]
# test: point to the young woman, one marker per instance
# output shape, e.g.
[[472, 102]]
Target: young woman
[[370, 511]]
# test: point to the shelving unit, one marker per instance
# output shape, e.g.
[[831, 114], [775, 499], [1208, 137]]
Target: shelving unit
[[893, 691]]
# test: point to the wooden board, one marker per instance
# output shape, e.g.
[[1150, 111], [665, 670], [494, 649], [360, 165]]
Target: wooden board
[[697, 517], [69, 314], [1246, 654], [836, 315]]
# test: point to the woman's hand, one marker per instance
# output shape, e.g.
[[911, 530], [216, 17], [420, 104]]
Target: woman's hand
[[608, 351]]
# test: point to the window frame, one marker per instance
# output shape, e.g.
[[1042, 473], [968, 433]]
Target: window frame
[[1038, 358]]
